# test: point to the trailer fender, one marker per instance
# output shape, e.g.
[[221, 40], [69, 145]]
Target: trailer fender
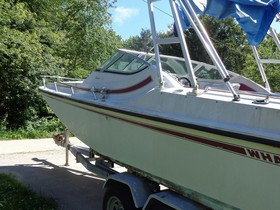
[[139, 187], [172, 200]]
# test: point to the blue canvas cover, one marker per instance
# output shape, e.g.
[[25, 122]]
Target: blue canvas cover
[[254, 16]]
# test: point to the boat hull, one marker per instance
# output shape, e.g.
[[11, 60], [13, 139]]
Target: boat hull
[[218, 171]]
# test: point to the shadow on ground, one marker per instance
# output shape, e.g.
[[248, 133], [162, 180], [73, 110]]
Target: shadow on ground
[[72, 187]]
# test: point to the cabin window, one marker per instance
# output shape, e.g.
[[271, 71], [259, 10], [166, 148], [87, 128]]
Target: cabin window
[[127, 63], [204, 73], [110, 60], [173, 65]]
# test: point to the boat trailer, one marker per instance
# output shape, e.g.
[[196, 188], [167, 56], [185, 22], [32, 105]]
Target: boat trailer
[[125, 190]]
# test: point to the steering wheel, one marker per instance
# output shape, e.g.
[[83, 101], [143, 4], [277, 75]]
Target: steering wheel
[[185, 81]]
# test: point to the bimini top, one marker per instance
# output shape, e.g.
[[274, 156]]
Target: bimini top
[[254, 16]]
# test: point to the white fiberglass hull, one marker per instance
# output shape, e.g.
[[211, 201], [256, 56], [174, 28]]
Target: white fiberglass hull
[[218, 171]]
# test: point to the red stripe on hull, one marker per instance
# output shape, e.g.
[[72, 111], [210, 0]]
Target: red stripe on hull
[[133, 87]]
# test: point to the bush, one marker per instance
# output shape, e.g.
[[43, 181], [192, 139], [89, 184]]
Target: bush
[[40, 128]]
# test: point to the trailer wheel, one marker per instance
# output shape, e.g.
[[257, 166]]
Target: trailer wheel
[[118, 197]]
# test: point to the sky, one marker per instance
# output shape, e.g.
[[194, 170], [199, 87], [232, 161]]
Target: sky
[[131, 16]]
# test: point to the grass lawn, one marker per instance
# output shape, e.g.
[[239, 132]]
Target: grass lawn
[[23, 134], [15, 195]]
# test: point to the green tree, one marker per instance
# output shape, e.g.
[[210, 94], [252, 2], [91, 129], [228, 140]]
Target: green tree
[[85, 26], [228, 39], [24, 56], [90, 38], [143, 42], [169, 49], [267, 50], [54, 37]]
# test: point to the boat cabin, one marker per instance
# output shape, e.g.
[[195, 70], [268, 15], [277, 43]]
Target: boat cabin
[[132, 68]]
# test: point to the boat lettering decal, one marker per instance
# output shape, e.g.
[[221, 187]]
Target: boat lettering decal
[[263, 156], [133, 87]]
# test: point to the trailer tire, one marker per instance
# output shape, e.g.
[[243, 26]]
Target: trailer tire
[[118, 197]]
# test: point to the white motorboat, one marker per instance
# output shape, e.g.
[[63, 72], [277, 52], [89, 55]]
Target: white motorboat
[[207, 133]]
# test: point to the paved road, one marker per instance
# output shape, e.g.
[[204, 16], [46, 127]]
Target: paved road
[[40, 164]]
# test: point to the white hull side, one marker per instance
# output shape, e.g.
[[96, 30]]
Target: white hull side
[[194, 168]]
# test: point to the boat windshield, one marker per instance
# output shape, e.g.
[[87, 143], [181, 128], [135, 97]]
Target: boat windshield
[[128, 62], [177, 66], [122, 62], [173, 65]]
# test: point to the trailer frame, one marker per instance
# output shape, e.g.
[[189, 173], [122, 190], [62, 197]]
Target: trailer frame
[[126, 190]]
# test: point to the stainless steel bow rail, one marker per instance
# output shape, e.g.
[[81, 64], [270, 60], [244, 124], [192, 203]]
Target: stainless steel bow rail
[[73, 85]]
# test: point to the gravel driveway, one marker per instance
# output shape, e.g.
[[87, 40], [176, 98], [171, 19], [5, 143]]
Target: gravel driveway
[[40, 164]]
